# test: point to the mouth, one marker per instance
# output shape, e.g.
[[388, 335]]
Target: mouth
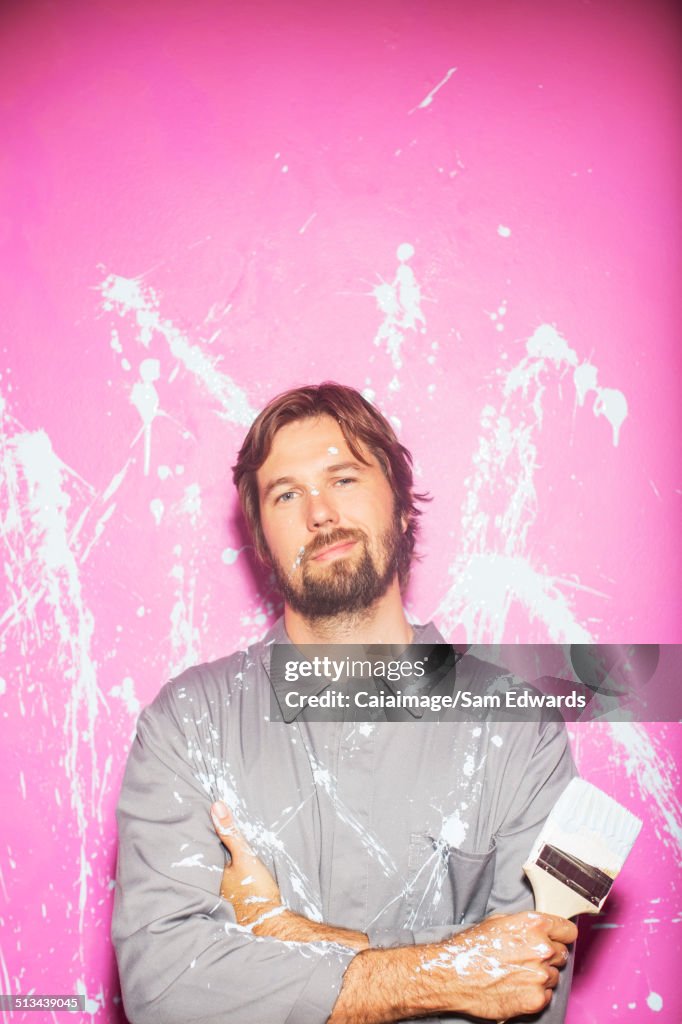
[[335, 551]]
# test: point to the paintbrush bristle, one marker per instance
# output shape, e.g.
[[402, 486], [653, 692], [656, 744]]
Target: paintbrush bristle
[[590, 826]]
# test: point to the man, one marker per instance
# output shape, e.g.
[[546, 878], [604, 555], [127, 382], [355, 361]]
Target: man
[[375, 868]]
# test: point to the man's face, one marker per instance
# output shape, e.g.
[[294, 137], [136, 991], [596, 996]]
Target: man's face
[[329, 521]]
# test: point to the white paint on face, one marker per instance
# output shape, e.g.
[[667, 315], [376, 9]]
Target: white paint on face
[[333, 450], [428, 99], [297, 561]]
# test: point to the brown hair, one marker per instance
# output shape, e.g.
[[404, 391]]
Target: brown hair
[[360, 423]]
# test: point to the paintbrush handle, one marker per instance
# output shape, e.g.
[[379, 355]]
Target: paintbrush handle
[[553, 897]]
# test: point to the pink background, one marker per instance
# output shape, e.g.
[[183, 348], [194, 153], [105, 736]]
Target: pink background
[[469, 210]]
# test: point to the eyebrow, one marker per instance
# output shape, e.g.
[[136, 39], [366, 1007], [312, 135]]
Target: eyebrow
[[337, 467]]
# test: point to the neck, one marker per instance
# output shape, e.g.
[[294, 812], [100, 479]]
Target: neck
[[383, 622]]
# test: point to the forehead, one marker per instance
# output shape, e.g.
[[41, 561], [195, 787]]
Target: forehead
[[307, 446]]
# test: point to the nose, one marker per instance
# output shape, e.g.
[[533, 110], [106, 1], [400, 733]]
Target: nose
[[322, 511]]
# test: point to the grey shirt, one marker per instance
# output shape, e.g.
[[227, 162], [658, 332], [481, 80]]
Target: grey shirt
[[405, 830]]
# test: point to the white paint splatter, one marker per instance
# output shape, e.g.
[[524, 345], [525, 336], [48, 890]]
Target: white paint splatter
[[297, 561], [453, 830], [656, 774], [307, 223], [613, 405], [156, 507], [230, 555], [428, 99], [92, 1005], [400, 302], [193, 861], [493, 570], [184, 634], [145, 398], [47, 606], [129, 298], [503, 231], [654, 1002], [126, 693]]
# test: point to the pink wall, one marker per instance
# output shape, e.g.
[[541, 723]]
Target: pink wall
[[468, 209]]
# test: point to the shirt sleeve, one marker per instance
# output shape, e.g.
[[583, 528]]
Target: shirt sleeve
[[181, 955]]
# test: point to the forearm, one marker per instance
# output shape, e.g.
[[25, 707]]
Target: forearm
[[498, 969], [385, 985], [288, 926]]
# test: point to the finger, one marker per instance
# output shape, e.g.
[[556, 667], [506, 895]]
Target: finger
[[561, 954], [553, 979], [229, 834], [560, 929]]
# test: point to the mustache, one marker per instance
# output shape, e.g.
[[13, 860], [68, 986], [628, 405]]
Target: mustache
[[325, 540]]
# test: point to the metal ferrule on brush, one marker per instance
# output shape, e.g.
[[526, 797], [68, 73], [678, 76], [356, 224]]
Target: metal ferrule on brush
[[584, 879]]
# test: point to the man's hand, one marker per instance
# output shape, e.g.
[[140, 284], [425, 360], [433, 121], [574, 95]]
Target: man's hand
[[499, 969], [254, 894], [246, 883], [507, 965]]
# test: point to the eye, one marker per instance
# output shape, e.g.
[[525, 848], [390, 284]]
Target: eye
[[345, 480], [284, 499]]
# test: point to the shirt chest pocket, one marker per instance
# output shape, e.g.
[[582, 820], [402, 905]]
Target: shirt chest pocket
[[446, 885]]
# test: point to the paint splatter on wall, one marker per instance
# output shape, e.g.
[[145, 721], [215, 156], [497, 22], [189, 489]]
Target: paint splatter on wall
[[438, 205]]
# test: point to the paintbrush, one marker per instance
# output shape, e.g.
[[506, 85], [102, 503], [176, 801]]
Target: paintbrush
[[580, 851]]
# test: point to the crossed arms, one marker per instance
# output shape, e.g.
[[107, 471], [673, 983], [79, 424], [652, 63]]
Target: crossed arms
[[505, 966], [186, 954]]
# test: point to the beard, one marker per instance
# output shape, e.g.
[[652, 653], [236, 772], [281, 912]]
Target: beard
[[344, 586]]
